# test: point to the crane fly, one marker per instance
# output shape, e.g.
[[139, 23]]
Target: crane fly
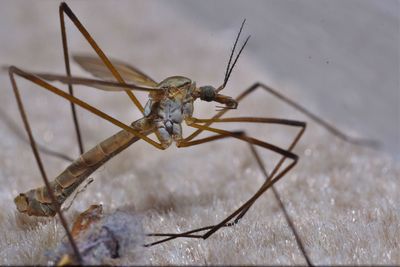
[[170, 103]]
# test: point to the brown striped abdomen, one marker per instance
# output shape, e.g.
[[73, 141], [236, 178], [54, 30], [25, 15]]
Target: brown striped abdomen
[[37, 202]]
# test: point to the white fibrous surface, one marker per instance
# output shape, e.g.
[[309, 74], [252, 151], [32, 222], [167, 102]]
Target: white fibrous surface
[[113, 239], [343, 199]]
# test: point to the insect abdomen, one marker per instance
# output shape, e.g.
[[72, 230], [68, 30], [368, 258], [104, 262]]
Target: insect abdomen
[[37, 201]]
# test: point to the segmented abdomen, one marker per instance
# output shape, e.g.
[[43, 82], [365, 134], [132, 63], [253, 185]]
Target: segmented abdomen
[[37, 202]]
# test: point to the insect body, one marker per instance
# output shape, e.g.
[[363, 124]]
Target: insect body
[[167, 110], [164, 112], [171, 102]]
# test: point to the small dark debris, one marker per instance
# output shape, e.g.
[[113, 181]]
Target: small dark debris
[[105, 242]]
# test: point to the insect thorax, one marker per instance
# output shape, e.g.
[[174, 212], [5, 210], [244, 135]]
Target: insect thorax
[[168, 108]]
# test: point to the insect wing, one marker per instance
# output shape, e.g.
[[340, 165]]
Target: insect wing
[[129, 73]]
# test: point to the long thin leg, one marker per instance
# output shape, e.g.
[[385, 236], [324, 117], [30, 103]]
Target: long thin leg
[[73, 100], [292, 103], [242, 137], [276, 194], [333, 130], [302, 125], [72, 80], [44, 85], [269, 182], [241, 214], [64, 8], [261, 120], [329, 127], [265, 186], [245, 207], [278, 198], [252, 120], [70, 88], [41, 167]]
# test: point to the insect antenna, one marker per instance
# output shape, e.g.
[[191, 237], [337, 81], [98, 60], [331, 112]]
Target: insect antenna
[[233, 50], [229, 68]]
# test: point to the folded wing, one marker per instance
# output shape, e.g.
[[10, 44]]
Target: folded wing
[[97, 68]]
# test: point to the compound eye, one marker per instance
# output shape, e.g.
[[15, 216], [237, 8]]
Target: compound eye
[[207, 93]]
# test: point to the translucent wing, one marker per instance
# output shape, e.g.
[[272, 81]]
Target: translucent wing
[[96, 83], [96, 67]]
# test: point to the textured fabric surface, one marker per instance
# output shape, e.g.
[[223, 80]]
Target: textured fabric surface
[[343, 199]]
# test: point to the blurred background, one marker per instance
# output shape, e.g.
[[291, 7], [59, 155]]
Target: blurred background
[[344, 56], [340, 58]]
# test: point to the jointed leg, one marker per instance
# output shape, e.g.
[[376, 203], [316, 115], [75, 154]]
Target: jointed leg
[[73, 100], [64, 8], [314, 117], [300, 124], [333, 130], [329, 127], [41, 167], [242, 210], [70, 88], [274, 178], [44, 85], [262, 167], [251, 89]]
